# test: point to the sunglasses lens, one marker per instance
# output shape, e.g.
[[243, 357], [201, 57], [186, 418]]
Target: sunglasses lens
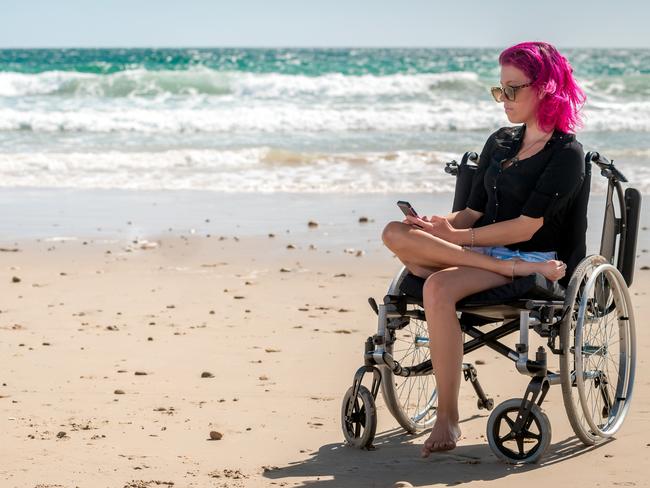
[[497, 93], [509, 92]]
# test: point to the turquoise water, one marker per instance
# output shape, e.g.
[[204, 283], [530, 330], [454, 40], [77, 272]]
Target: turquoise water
[[299, 120]]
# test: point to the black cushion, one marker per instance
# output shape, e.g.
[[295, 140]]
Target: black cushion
[[532, 287]]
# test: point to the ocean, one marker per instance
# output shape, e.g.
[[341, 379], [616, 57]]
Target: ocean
[[284, 120]]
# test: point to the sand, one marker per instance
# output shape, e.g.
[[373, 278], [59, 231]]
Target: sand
[[221, 361]]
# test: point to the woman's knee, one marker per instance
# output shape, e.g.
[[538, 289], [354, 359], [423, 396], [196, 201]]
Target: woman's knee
[[393, 233], [439, 289]]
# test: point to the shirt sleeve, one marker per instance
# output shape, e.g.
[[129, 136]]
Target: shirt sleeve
[[558, 183], [477, 196]]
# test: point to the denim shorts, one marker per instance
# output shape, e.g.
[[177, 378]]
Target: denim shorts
[[504, 253]]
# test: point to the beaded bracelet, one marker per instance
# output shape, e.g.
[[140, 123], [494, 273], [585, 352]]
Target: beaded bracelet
[[471, 231]]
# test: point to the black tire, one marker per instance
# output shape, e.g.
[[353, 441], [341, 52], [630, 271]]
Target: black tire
[[359, 430], [501, 443]]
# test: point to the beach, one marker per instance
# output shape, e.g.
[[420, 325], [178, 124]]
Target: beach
[[189, 238], [121, 357]]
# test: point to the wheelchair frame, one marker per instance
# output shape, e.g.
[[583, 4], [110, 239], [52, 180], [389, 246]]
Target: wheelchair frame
[[618, 243]]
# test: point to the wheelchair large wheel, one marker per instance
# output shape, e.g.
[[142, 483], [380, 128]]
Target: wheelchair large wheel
[[598, 342], [527, 446], [411, 400], [359, 428]]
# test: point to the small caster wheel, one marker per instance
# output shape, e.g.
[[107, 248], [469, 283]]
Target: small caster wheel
[[360, 427], [527, 446]]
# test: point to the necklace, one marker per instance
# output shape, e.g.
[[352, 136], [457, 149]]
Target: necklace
[[515, 159]]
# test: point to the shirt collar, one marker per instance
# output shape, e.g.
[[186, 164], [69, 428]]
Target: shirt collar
[[558, 135]]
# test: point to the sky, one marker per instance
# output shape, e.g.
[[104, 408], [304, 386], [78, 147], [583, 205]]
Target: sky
[[322, 23]]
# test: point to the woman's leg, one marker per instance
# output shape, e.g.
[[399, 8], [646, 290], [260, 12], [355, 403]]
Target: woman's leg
[[440, 293], [422, 249]]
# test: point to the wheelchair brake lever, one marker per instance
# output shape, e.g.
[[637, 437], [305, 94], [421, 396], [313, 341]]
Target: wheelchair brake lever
[[373, 305]]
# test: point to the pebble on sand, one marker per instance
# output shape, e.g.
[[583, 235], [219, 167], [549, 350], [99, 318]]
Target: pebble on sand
[[312, 223], [119, 392], [15, 279], [215, 436], [207, 374]]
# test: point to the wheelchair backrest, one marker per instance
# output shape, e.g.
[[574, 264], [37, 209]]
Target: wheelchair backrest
[[618, 239]]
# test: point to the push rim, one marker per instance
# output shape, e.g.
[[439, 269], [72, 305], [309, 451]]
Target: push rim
[[604, 351]]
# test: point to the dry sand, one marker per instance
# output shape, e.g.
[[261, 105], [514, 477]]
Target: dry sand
[[118, 360]]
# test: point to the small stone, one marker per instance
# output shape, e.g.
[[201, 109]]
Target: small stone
[[645, 268], [312, 223], [479, 361], [263, 377], [290, 246], [207, 374], [215, 436], [61, 435], [269, 349], [140, 373], [119, 392], [285, 270], [15, 279], [363, 220], [271, 235]]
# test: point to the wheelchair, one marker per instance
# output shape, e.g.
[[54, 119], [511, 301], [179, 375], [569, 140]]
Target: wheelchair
[[587, 320]]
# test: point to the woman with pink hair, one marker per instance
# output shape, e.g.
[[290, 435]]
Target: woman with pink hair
[[527, 178]]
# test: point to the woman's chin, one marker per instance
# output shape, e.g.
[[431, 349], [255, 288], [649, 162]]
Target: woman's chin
[[512, 118]]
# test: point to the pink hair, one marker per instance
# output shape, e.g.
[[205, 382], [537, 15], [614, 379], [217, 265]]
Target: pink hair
[[550, 73]]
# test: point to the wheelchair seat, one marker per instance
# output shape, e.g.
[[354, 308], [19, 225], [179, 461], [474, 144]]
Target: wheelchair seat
[[501, 302]]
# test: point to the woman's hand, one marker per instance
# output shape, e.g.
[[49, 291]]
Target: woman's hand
[[435, 225]]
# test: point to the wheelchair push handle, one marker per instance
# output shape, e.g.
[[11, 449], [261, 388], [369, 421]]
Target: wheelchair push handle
[[606, 166], [452, 166]]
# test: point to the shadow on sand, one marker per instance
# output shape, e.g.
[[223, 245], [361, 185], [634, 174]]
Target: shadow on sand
[[395, 459]]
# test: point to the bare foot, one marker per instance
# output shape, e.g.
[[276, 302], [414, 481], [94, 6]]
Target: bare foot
[[552, 270], [443, 437]]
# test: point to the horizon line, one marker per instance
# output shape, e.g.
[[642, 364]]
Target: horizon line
[[324, 47]]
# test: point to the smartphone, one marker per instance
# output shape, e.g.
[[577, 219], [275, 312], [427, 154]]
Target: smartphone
[[407, 209]]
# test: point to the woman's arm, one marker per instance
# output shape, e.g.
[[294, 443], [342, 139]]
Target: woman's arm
[[463, 219], [510, 231]]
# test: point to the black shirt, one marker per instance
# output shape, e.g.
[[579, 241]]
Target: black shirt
[[543, 185]]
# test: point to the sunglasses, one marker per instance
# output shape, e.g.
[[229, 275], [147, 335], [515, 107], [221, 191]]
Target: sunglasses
[[507, 91]]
